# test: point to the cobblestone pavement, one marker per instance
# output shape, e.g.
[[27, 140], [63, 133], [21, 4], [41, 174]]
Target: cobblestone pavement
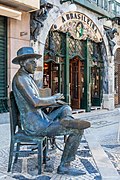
[[26, 167], [105, 127]]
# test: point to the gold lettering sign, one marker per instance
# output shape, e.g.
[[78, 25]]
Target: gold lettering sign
[[79, 26]]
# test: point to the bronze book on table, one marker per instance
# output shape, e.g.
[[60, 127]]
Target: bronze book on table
[[61, 102]]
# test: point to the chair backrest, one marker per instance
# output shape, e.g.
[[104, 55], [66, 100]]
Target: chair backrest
[[14, 114], [45, 92]]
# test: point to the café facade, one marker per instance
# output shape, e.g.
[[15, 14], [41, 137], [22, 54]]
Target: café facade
[[78, 47]]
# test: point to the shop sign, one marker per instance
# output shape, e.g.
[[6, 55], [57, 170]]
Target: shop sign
[[79, 26]]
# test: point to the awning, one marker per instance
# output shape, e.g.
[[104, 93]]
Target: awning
[[6, 11]]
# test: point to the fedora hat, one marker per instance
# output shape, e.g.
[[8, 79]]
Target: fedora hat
[[25, 53]]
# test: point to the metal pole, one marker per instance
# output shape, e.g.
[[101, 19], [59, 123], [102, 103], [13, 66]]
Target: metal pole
[[66, 85], [87, 94]]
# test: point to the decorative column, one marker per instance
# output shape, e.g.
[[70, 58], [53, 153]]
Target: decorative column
[[108, 99]]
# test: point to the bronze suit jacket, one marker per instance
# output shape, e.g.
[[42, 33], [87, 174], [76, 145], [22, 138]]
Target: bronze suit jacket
[[28, 99]]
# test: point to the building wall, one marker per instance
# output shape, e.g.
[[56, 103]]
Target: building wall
[[18, 36], [18, 31], [117, 68]]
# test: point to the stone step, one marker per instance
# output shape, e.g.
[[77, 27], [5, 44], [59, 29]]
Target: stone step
[[103, 163], [96, 108], [76, 111]]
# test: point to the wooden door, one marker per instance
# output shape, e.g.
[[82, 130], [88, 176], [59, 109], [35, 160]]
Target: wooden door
[[76, 82]]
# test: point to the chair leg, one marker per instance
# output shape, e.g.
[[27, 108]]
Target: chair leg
[[10, 155], [65, 138], [52, 142], [40, 159], [16, 155], [45, 145]]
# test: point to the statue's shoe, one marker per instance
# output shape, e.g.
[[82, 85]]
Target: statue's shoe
[[70, 171], [75, 123]]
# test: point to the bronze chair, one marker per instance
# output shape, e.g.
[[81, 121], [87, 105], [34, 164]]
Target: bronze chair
[[19, 138]]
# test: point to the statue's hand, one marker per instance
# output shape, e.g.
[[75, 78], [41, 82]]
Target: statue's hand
[[58, 96], [61, 102]]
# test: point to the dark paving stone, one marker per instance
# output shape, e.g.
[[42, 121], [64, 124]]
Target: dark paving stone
[[84, 153], [17, 167], [89, 167], [83, 141], [21, 177], [119, 172], [112, 146], [49, 167], [86, 147], [98, 178]]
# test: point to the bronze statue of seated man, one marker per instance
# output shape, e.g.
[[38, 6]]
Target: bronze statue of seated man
[[34, 121]]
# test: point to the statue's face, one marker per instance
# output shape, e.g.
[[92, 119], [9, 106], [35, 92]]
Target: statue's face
[[30, 65]]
